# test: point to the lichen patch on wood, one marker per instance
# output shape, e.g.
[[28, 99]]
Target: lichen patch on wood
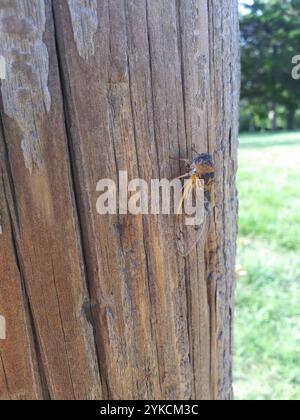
[[85, 24], [25, 90]]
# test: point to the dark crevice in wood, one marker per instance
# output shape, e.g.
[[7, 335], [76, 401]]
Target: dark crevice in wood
[[145, 247], [189, 317], [5, 376], [62, 326], [7, 164], [152, 84], [41, 370], [165, 81], [111, 108], [211, 40], [230, 141], [182, 69], [192, 342], [154, 128], [209, 82], [212, 244], [188, 290], [64, 89], [13, 236]]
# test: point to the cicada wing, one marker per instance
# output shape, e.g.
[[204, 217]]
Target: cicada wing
[[180, 238], [187, 237]]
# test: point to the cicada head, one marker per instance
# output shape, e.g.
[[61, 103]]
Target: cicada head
[[203, 166], [204, 159]]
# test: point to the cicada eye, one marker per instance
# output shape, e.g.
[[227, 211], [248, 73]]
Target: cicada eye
[[193, 164], [193, 170]]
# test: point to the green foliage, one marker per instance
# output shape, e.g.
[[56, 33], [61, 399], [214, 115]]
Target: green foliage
[[267, 326], [270, 37], [253, 117]]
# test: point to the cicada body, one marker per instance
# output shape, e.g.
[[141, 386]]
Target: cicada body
[[203, 166], [200, 174]]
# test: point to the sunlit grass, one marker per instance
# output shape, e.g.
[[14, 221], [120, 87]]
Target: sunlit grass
[[267, 327]]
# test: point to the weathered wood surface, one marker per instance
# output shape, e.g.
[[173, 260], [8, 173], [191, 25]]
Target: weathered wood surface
[[102, 306]]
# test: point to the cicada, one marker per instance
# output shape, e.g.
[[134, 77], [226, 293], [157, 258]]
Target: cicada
[[200, 173]]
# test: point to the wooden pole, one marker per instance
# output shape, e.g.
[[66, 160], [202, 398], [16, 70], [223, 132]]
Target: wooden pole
[[103, 307]]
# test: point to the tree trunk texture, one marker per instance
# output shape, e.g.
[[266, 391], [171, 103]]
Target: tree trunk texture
[[103, 307]]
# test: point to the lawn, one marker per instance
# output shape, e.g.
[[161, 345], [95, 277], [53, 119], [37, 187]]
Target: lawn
[[267, 321]]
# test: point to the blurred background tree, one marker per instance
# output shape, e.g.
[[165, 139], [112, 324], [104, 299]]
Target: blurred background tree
[[270, 37]]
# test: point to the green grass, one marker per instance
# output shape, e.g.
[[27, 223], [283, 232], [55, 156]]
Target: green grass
[[267, 324]]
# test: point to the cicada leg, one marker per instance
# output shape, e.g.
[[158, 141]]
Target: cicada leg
[[186, 161]]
